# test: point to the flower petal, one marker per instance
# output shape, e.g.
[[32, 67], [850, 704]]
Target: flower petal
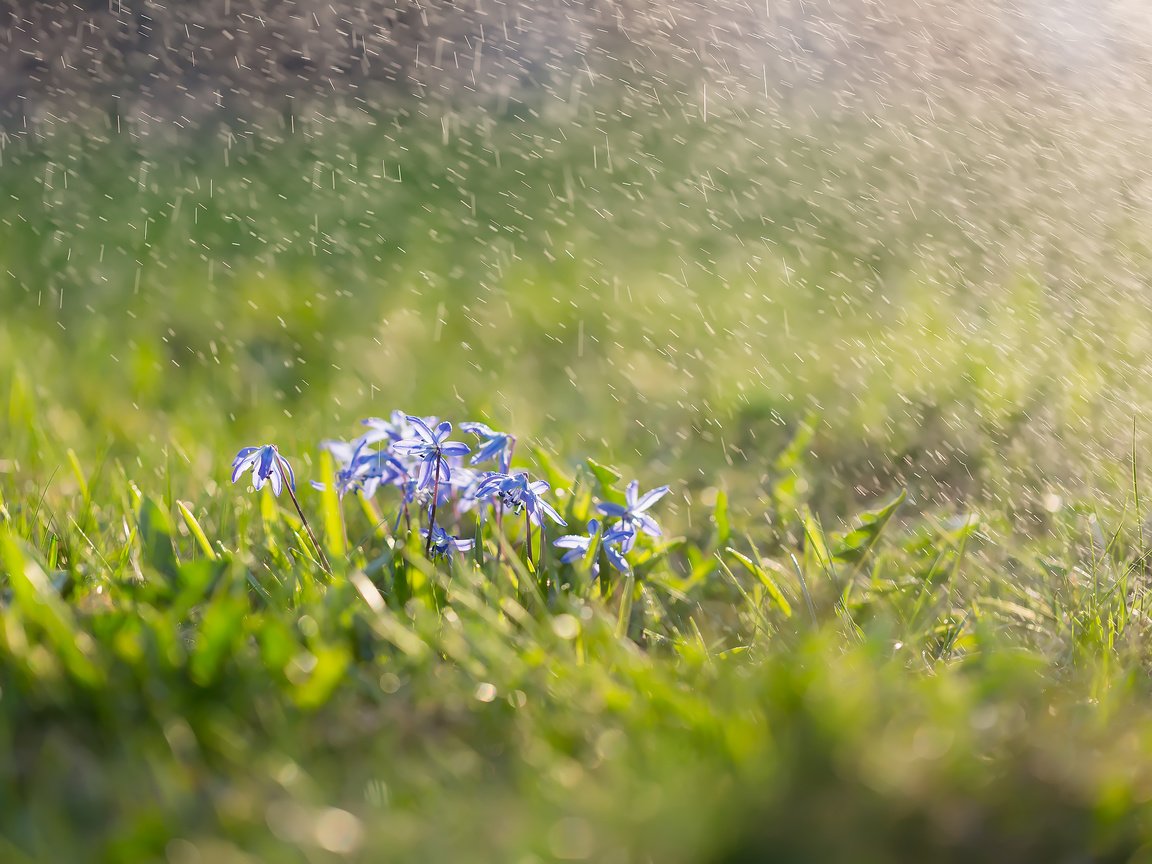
[[242, 465], [288, 472], [422, 429], [648, 524], [550, 511], [650, 498], [455, 448], [616, 559], [610, 509]]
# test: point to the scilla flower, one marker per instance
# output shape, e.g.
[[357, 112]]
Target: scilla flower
[[493, 445], [578, 546], [266, 465], [441, 544], [517, 494], [361, 469], [430, 448], [612, 543], [631, 514]]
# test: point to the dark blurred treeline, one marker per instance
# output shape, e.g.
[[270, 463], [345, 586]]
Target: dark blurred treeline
[[189, 58], [182, 61]]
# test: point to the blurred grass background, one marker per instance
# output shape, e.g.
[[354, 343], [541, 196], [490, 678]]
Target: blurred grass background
[[960, 307]]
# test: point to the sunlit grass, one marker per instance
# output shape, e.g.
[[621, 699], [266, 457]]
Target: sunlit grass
[[899, 614]]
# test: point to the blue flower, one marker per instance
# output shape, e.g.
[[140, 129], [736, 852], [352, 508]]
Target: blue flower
[[612, 543], [443, 544], [517, 494], [362, 469], [493, 445], [267, 465], [430, 449], [398, 427], [578, 545], [631, 515], [617, 543]]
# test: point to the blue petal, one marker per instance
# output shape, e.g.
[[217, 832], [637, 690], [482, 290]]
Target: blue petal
[[242, 465], [551, 512], [480, 430], [648, 524], [616, 559], [610, 509], [287, 469], [264, 465], [244, 453], [426, 475], [410, 447], [422, 429], [650, 498], [455, 448]]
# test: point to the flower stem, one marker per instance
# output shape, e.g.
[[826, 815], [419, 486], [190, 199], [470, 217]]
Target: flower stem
[[432, 509], [499, 530], [528, 527], [304, 519]]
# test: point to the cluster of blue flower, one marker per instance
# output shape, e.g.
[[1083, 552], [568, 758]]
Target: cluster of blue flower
[[415, 455]]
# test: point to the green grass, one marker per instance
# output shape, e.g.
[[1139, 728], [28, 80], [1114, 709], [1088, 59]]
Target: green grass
[[793, 328]]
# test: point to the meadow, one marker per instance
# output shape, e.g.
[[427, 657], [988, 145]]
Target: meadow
[[894, 370]]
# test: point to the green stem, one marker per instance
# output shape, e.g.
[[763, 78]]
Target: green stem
[[304, 519], [432, 509]]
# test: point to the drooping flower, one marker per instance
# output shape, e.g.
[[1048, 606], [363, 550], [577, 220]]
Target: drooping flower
[[632, 514], [266, 465], [516, 493], [430, 448], [493, 445], [443, 545]]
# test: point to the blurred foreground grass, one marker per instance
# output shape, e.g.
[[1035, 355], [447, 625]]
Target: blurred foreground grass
[[808, 315]]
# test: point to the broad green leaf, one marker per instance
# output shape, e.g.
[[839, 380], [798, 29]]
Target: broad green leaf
[[38, 600], [606, 479], [720, 518], [626, 598], [77, 472], [278, 643], [765, 579], [196, 530], [197, 579], [854, 545], [551, 471], [589, 556], [156, 549], [330, 668], [793, 455], [330, 506], [814, 540], [220, 629]]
